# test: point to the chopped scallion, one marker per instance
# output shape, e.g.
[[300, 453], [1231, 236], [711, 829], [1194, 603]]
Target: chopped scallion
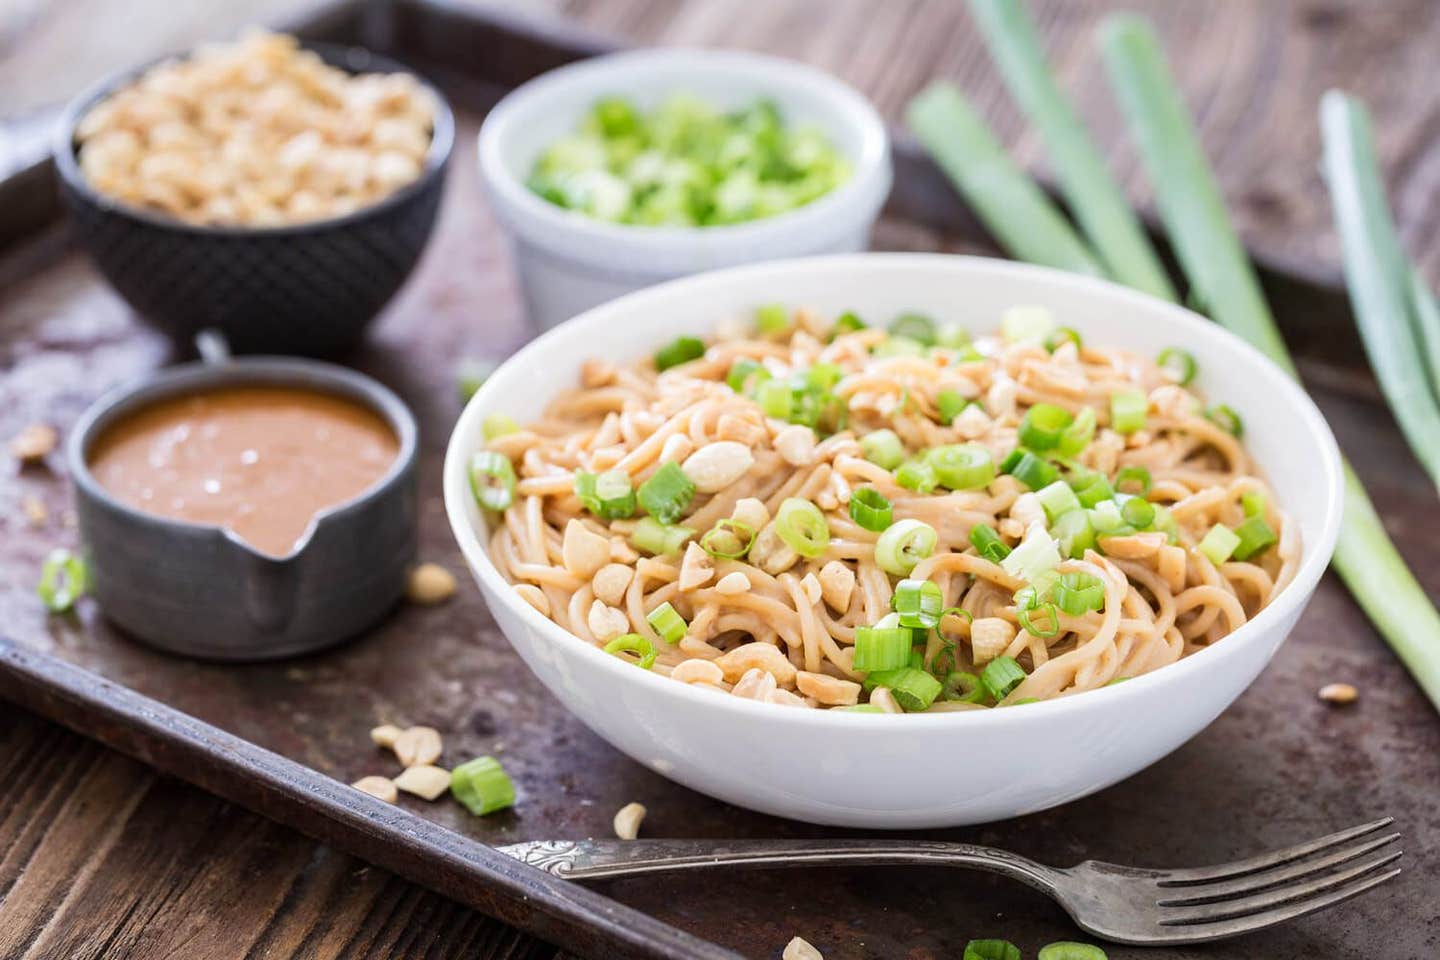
[[882, 448], [492, 480], [729, 539], [1133, 479], [847, 322], [678, 351], [1034, 470], [1078, 435], [1078, 593], [636, 644], [917, 475], [962, 687], [482, 786], [745, 374], [912, 688], [1219, 544], [1225, 417], [1127, 411], [1057, 499], [1178, 365], [64, 578], [966, 466], [1138, 513], [988, 542], [904, 544], [659, 539], [881, 648], [1074, 533], [949, 404], [1061, 335], [914, 326], [1254, 536], [498, 425], [607, 495], [1047, 627], [1026, 324], [1091, 488], [803, 527], [1000, 676], [870, 509], [667, 623], [919, 603], [667, 493], [772, 318], [1043, 425]]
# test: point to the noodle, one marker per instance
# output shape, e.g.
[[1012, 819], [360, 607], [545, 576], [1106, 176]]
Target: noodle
[[781, 625]]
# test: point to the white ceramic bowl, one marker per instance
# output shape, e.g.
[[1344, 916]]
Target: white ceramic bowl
[[569, 262], [934, 770]]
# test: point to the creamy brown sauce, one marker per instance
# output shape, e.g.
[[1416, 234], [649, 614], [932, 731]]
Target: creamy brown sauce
[[260, 461]]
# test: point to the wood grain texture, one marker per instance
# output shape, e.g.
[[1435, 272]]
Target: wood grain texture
[[181, 874], [102, 858]]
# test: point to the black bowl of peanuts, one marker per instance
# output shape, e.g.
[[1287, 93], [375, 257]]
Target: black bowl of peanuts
[[276, 192]]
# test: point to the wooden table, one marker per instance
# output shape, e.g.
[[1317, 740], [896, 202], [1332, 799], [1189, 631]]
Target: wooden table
[[99, 857]]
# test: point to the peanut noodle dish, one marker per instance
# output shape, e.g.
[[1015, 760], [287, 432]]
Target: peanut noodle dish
[[823, 513]]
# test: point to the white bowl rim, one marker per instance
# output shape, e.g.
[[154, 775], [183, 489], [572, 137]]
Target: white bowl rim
[[870, 173], [610, 669]]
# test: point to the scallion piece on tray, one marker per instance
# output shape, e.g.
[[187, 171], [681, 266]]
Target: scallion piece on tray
[[482, 786], [667, 623], [1099, 206], [904, 544], [492, 480], [64, 578], [1015, 211], [870, 509]]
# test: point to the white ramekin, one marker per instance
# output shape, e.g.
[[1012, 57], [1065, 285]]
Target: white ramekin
[[569, 262], [927, 770]]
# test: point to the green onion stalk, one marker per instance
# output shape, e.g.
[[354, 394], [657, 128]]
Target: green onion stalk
[[1216, 266]]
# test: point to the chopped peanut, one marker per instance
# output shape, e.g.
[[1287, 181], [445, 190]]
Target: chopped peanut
[[1027, 509], [583, 551], [754, 684], [796, 444], [810, 586], [606, 622], [837, 583], [611, 581], [627, 821], [382, 788], [757, 654], [989, 636], [785, 698], [385, 735], [733, 583], [677, 447], [597, 373], [1339, 694], [417, 746], [697, 568], [430, 584], [751, 512], [827, 689], [34, 443], [715, 466], [1132, 546], [696, 670], [770, 553], [798, 949], [885, 700], [424, 781], [534, 596]]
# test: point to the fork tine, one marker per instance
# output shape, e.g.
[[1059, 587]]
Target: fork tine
[[1196, 933], [1266, 861], [1278, 897], [1250, 883]]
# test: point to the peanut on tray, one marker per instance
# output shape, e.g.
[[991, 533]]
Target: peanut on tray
[[256, 133]]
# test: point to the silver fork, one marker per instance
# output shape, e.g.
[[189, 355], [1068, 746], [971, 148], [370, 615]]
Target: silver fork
[[1118, 903]]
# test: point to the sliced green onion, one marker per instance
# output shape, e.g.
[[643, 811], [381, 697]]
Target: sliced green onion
[[1034, 471], [608, 495], [904, 544], [952, 336], [1024, 324], [914, 326], [636, 644], [678, 351], [1127, 411], [1225, 417], [803, 527], [1138, 513], [1091, 194], [1012, 207], [492, 480], [1057, 499], [730, 539], [870, 509], [1091, 488], [965, 466], [1052, 620], [1219, 544], [1165, 522], [919, 603], [482, 786], [667, 493], [659, 539], [1139, 476], [881, 648], [1078, 435], [1043, 425], [1106, 518], [667, 622], [898, 347], [1178, 364], [988, 542], [498, 425], [883, 448], [823, 376], [1253, 503], [1061, 335], [64, 578], [912, 688], [1255, 536], [1000, 676], [740, 373], [1078, 593], [772, 318], [1035, 556], [917, 475], [949, 404], [991, 950], [776, 399], [962, 687], [1074, 532], [1069, 950], [847, 322]]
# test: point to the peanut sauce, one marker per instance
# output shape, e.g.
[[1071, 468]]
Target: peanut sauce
[[259, 461]]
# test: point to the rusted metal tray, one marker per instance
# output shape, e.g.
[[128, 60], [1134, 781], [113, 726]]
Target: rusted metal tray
[[284, 738]]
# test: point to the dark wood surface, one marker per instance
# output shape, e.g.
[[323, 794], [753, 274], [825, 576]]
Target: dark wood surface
[[78, 878]]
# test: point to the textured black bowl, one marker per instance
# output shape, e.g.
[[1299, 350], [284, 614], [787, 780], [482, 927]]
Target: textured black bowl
[[311, 288]]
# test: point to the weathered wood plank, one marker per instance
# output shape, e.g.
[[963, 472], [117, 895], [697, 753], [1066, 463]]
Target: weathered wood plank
[[100, 857]]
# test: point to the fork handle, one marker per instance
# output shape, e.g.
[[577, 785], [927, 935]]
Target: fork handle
[[595, 859]]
